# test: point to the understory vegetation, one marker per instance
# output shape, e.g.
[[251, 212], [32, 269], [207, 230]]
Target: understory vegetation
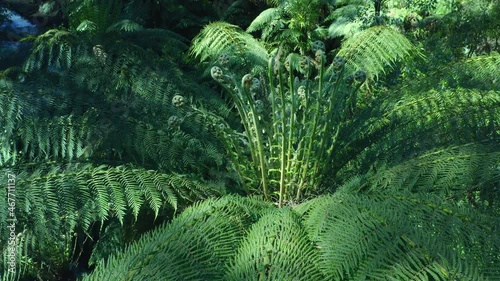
[[255, 140]]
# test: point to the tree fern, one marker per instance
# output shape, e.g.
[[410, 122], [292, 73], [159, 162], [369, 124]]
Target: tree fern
[[106, 130], [358, 135]]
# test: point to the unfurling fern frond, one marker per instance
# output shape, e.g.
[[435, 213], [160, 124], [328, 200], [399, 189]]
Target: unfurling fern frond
[[218, 37], [376, 49]]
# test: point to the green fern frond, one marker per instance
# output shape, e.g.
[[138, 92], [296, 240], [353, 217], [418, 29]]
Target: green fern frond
[[272, 245], [217, 37], [479, 70], [346, 22], [32, 133], [426, 120], [380, 235], [263, 19], [376, 49], [344, 27], [87, 26], [54, 201], [55, 49], [340, 237], [453, 171], [96, 193], [195, 246], [478, 73], [347, 9], [125, 25], [101, 13], [60, 138]]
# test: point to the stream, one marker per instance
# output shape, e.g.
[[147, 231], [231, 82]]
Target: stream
[[13, 27]]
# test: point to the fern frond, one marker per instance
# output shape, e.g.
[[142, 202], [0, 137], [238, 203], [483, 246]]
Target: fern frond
[[87, 26], [344, 27], [101, 14], [54, 50], [272, 244], [263, 19], [60, 138], [341, 237], [195, 246], [53, 201], [376, 49], [397, 236], [479, 70], [217, 37], [425, 120], [32, 133], [102, 192], [453, 171], [125, 25], [346, 20]]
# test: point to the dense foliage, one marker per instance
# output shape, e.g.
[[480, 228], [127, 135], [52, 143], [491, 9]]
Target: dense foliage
[[255, 140]]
